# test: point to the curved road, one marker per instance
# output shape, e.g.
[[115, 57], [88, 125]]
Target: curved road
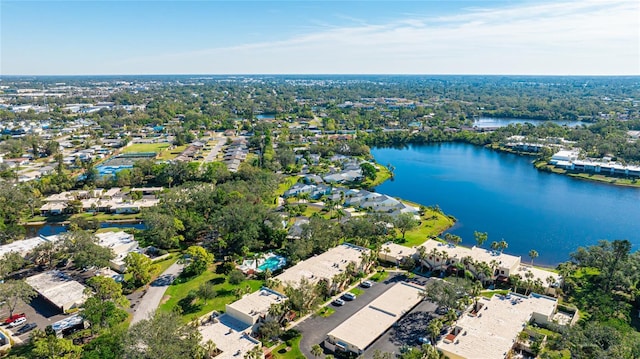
[[149, 302]]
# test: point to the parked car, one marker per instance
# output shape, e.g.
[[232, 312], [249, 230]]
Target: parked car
[[26, 328], [424, 340], [338, 302], [18, 322], [366, 284], [14, 317], [349, 296]]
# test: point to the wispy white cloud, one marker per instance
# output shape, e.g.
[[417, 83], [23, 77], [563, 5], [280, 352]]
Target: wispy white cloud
[[571, 37]]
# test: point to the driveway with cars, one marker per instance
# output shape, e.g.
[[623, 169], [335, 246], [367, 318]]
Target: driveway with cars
[[39, 311], [314, 329]]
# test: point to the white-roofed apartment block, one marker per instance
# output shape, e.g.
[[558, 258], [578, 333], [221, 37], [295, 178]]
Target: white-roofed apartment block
[[121, 243]]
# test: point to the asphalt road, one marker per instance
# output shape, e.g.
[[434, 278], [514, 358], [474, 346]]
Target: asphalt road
[[142, 307], [314, 329]]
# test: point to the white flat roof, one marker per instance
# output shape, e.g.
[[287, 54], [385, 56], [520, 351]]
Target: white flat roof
[[492, 334], [229, 337], [21, 247], [479, 254], [58, 288], [396, 251], [257, 303], [362, 328], [323, 266]]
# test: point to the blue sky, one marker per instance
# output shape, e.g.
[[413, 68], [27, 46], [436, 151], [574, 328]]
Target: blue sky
[[563, 37]]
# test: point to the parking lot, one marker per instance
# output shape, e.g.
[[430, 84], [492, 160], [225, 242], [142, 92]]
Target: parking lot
[[39, 311], [406, 331], [314, 329]]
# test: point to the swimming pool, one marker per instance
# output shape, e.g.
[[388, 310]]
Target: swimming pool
[[272, 263]]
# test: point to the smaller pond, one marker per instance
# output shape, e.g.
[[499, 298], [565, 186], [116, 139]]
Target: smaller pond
[[486, 122], [51, 229], [266, 116]]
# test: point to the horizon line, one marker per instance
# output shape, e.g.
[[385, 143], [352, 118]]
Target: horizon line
[[323, 74]]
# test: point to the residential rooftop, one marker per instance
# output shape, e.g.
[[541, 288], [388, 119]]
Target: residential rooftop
[[229, 336], [252, 306], [59, 289], [366, 325], [323, 266], [492, 333]]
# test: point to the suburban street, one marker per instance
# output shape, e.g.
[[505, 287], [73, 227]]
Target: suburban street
[[142, 307]]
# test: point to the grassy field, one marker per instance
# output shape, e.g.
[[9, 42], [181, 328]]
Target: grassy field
[[382, 175], [169, 154], [280, 352], [146, 147], [433, 224], [107, 217], [325, 312], [284, 185], [380, 276], [224, 291]]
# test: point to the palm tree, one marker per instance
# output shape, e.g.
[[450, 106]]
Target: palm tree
[[456, 240], [210, 349], [480, 237], [533, 254], [254, 353], [529, 281], [503, 245], [422, 255], [316, 351], [434, 328], [494, 246], [476, 288], [515, 281]]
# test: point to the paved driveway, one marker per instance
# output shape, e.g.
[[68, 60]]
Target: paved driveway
[[314, 329], [406, 331], [39, 311], [142, 307]]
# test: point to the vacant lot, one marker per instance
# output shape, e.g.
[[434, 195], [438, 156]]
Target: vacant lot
[[146, 147]]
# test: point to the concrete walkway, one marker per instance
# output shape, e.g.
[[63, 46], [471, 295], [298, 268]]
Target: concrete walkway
[[153, 296]]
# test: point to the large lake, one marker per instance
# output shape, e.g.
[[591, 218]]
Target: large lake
[[504, 195]]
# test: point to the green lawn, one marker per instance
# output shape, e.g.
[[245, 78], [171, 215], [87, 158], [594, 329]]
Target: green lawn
[[106, 217], [382, 175], [146, 147], [433, 224], [164, 264], [491, 293], [380, 276], [325, 312], [224, 291], [357, 291], [280, 352], [173, 153], [286, 184]]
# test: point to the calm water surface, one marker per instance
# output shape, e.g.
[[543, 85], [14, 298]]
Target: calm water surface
[[504, 195]]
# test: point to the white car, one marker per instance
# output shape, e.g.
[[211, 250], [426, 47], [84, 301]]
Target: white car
[[18, 322], [366, 284]]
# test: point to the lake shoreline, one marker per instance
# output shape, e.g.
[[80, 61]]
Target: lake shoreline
[[503, 194]]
